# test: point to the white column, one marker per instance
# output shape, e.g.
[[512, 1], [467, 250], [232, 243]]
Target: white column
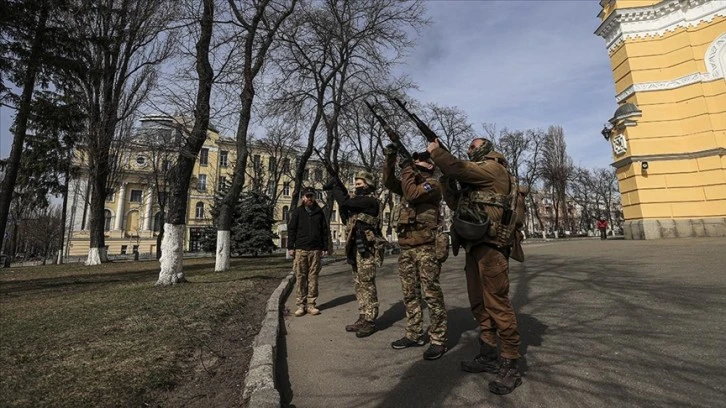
[[120, 207], [149, 202]]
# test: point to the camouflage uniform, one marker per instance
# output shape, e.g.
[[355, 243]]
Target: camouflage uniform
[[307, 268], [363, 248], [417, 222]]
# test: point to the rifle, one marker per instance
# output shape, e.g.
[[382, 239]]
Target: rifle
[[395, 138], [427, 132], [329, 168]]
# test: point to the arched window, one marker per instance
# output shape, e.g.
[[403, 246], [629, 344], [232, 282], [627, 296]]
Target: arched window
[[285, 214], [107, 216], [199, 210], [157, 222]]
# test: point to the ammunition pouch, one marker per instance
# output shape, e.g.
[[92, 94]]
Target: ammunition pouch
[[442, 246]]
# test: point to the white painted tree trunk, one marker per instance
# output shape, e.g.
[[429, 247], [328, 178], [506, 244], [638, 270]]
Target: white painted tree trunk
[[223, 251], [172, 255], [96, 256], [544, 235]]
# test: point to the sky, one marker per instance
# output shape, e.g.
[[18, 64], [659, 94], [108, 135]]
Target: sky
[[517, 64]]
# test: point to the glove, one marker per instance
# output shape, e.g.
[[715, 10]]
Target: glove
[[329, 185], [390, 150]]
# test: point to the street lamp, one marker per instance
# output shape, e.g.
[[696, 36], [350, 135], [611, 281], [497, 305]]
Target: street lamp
[[606, 130]]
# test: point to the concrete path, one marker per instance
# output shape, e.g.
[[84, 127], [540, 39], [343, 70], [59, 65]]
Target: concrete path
[[604, 324]]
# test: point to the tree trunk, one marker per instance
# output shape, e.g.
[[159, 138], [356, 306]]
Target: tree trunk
[[173, 243], [97, 250], [21, 122], [64, 213]]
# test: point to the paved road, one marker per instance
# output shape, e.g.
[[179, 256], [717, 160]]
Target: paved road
[[604, 324]]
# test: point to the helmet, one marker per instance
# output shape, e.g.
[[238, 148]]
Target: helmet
[[365, 176], [470, 231]]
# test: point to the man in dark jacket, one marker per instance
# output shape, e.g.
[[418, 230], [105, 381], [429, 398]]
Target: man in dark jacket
[[307, 240]]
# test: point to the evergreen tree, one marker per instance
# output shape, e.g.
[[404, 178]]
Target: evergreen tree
[[252, 229]]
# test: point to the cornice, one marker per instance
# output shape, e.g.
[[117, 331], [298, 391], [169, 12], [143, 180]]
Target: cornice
[[713, 66], [719, 151], [668, 15]]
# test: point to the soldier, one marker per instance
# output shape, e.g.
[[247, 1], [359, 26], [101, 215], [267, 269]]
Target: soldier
[[487, 191], [417, 227], [361, 246], [308, 234]]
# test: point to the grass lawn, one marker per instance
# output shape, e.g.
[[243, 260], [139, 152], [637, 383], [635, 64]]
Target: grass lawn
[[72, 335]]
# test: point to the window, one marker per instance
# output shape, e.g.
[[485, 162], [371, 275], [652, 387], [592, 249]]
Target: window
[[257, 161], [222, 183], [202, 182], [107, 217], [110, 195], [272, 165], [204, 157], [387, 216], [306, 174], [286, 165], [157, 222], [332, 215], [136, 249], [286, 189], [318, 174], [271, 187], [162, 197], [319, 195], [286, 214], [141, 160], [223, 158], [199, 210], [136, 196], [123, 249]]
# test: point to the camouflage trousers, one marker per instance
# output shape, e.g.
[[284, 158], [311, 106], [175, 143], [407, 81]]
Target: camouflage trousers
[[419, 271], [487, 281], [364, 276], [307, 268]]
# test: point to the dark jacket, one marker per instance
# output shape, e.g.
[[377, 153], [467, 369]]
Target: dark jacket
[[308, 231]]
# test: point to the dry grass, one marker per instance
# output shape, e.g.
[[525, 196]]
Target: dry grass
[[72, 335]]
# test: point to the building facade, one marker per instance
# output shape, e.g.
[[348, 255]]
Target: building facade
[[668, 135], [132, 212]]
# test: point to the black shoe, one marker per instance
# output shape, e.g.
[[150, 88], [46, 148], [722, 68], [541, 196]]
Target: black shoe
[[405, 342], [508, 378], [434, 351], [486, 361], [366, 329], [355, 326]]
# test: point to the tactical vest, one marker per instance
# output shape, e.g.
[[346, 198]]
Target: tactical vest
[[483, 216], [416, 224]]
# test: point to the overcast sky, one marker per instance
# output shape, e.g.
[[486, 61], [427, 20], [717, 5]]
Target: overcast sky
[[518, 64]]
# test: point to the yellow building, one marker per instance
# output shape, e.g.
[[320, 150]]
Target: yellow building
[[132, 212], [668, 135]]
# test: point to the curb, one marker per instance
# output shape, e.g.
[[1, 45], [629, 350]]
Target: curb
[[259, 388]]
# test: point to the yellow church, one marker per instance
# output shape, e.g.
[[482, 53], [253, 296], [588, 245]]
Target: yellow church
[[668, 134]]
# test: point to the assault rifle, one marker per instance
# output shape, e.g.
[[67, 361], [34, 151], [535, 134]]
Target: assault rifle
[[423, 127], [339, 183], [396, 139]]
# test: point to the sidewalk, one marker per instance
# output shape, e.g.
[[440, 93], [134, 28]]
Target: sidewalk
[[613, 323]]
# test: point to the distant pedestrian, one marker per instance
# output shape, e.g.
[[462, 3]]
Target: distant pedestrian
[[308, 233], [602, 226]]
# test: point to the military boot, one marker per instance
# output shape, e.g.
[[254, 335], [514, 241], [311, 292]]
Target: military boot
[[485, 361], [366, 329], [508, 378], [355, 326]]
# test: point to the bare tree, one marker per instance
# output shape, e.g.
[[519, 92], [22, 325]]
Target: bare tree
[[452, 126], [172, 246], [260, 20], [556, 169], [121, 46]]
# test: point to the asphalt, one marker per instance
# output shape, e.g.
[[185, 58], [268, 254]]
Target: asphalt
[[603, 323]]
